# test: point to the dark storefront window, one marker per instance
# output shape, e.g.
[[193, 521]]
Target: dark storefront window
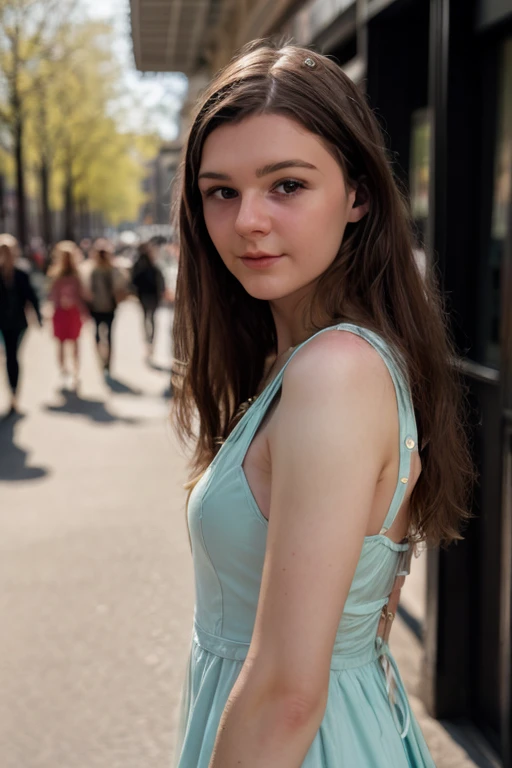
[[501, 193]]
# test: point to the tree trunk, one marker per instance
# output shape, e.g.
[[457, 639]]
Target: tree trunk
[[46, 217], [69, 207], [83, 213], [21, 214], [88, 220], [44, 169]]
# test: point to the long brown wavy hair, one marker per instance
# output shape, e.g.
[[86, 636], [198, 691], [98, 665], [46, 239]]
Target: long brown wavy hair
[[223, 336]]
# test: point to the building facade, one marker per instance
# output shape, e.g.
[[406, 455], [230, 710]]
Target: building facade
[[439, 75], [157, 185]]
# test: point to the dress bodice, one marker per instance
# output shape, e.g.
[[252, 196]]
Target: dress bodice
[[228, 534]]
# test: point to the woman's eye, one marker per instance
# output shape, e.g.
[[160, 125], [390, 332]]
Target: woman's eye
[[222, 193], [290, 187], [285, 188]]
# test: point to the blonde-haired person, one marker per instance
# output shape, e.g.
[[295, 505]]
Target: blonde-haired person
[[315, 381], [16, 292], [69, 299]]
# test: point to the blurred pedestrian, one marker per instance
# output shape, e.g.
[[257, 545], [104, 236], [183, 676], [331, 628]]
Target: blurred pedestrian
[[85, 246], [149, 285], [38, 253], [315, 374], [69, 299], [16, 292], [107, 288]]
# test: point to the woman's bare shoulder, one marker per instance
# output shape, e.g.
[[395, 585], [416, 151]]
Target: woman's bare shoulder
[[333, 362]]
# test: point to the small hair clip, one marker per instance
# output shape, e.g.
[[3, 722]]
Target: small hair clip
[[309, 62]]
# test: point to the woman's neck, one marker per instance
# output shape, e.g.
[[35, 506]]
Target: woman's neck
[[290, 319], [293, 320], [7, 272]]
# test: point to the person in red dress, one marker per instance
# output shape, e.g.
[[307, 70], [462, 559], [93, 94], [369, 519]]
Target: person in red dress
[[68, 296]]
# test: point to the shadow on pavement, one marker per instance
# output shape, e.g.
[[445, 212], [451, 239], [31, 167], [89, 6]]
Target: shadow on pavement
[[13, 466], [161, 368], [92, 409], [119, 387], [168, 393], [414, 625], [465, 734]]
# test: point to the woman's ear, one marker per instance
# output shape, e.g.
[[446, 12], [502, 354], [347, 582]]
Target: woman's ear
[[361, 204]]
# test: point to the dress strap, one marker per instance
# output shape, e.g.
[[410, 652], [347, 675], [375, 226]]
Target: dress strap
[[408, 433], [242, 435]]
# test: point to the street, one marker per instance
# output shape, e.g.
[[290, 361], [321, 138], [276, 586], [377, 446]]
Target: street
[[97, 596]]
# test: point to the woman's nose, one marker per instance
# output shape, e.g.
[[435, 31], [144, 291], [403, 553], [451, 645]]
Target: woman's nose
[[252, 217]]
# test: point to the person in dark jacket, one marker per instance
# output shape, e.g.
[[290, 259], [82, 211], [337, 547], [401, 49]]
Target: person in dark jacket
[[149, 284], [15, 293]]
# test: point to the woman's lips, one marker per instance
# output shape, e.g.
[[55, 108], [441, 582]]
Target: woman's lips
[[260, 262]]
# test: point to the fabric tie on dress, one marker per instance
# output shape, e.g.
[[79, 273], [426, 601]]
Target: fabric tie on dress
[[394, 688]]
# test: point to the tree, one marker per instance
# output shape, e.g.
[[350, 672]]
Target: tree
[[97, 164], [30, 30], [62, 117]]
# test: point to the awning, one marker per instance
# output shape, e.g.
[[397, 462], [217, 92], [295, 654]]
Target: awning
[[193, 35], [170, 35]]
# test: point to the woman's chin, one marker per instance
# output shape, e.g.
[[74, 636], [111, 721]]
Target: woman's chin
[[265, 291], [272, 289]]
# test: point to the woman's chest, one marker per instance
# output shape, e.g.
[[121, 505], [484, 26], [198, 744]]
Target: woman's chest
[[67, 292]]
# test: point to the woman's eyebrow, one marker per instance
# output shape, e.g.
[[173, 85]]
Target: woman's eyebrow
[[263, 171]]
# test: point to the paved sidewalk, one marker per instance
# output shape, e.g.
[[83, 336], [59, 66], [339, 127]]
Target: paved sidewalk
[[97, 597]]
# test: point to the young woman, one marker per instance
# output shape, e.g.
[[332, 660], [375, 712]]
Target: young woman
[[315, 364], [68, 297], [15, 293]]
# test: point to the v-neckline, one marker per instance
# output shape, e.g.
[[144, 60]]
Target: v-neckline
[[258, 398]]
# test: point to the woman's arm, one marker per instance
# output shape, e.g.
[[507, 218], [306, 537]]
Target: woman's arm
[[160, 283], [83, 298], [53, 293], [31, 298], [328, 444]]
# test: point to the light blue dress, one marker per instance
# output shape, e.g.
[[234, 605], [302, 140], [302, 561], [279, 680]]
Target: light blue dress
[[368, 722]]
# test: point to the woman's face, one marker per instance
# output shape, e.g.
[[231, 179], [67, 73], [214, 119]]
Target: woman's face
[[275, 204]]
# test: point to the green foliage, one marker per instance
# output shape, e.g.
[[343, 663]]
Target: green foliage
[[63, 81]]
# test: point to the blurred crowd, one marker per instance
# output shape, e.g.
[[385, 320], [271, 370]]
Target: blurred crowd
[[80, 283]]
